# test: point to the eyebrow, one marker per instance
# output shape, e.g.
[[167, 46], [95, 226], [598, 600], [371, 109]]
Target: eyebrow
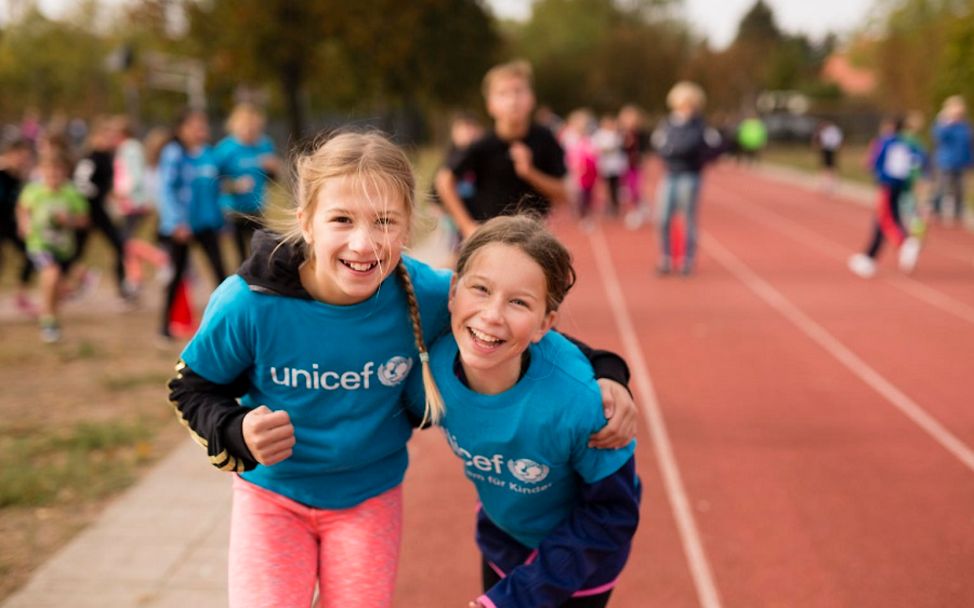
[[484, 279], [349, 212]]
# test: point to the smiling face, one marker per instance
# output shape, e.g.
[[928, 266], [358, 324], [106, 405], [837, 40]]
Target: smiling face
[[498, 309], [355, 235]]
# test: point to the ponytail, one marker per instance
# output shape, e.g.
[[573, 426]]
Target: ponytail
[[435, 407]]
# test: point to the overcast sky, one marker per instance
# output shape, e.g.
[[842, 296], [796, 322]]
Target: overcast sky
[[716, 19]]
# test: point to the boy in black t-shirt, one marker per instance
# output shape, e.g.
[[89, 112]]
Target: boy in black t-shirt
[[14, 166], [517, 166]]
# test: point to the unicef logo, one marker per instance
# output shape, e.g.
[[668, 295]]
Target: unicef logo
[[528, 471], [394, 371]]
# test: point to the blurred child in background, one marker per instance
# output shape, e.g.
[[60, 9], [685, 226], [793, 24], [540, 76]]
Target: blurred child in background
[[49, 214], [246, 160], [15, 164], [895, 169]]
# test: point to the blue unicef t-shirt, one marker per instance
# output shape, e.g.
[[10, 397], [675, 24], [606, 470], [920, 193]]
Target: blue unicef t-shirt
[[236, 159], [338, 371], [189, 192], [526, 448]]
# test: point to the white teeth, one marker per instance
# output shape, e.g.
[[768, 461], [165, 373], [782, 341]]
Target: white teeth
[[360, 266], [484, 337]]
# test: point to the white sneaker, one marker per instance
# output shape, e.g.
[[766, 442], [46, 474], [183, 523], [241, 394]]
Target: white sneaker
[[634, 219], [909, 252], [862, 265]]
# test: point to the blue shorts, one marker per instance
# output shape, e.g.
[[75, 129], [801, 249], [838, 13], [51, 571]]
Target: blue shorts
[[45, 258]]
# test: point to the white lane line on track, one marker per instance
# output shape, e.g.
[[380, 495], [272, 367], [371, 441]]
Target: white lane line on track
[[696, 557], [814, 240], [844, 355]]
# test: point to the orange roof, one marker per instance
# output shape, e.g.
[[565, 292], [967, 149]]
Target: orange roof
[[852, 80]]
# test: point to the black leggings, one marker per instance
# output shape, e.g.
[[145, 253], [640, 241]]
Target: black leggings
[[27, 269], [243, 231], [99, 219], [601, 600], [209, 241]]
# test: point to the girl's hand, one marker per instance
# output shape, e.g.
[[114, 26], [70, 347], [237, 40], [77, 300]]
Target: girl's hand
[[181, 234], [620, 411], [268, 434], [243, 185]]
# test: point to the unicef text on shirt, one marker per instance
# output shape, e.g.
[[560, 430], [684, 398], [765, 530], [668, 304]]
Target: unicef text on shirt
[[390, 373], [525, 470]]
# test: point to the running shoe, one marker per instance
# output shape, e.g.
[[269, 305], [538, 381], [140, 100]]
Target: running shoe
[[50, 332], [909, 252], [862, 265]]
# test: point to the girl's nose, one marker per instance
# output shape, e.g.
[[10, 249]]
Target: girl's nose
[[361, 240]]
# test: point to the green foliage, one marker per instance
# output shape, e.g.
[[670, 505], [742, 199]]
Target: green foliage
[[956, 73], [328, 54], [54, 66], [601, 53]]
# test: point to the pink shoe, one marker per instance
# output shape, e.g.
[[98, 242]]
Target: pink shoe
[[26, 306]]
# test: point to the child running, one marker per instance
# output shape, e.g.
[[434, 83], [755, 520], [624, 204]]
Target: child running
[[15, 161], [557, 517], [316, 335], [49, 213], [895, 170], [246, 160]]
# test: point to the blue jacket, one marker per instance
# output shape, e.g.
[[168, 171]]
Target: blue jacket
[[189, 192], [898, 161], [953, 145]]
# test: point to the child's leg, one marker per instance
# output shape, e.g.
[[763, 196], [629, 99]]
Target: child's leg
[[889, 215], [50, 278], [179, 257], [273, 550], [209, 240], [360, 552], [612, 183]]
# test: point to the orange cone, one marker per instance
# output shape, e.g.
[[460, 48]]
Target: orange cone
[[182, 323], [677, 239]]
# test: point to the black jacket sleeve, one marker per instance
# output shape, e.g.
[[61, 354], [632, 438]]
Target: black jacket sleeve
[[213, 417], [606, 363], [600, 527]]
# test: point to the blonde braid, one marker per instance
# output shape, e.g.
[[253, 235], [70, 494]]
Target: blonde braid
[[435, 407]]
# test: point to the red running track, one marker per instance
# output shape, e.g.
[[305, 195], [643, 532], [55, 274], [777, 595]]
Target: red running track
[[808, 435]]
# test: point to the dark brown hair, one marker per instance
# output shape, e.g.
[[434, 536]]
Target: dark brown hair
[[529, 234]]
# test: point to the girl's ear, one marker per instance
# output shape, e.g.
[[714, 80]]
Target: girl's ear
[[304, 220], [546, 324]]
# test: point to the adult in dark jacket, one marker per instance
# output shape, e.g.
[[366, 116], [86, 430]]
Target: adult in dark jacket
[[685, 143], [952, 155]]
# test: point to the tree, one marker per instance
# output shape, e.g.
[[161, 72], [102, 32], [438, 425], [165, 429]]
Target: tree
[[54, 66], [383, 52]]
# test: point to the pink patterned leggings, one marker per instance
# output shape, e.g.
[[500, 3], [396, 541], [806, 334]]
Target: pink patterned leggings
[[279, 548]]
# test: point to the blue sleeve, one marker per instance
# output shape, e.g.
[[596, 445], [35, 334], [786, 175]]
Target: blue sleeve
[[880, 160], [600, 528], [221, 157], [173, 211], [223, 347]]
